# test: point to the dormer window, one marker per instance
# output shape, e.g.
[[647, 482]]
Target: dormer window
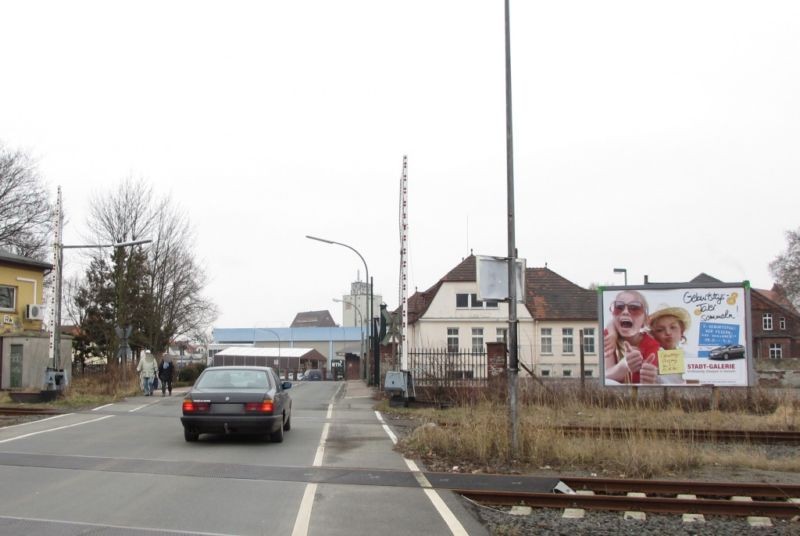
[[471, 301]]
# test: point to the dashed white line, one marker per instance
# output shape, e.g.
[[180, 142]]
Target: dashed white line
[[100, 525], [38, 420], [303, 518], [55, 429]]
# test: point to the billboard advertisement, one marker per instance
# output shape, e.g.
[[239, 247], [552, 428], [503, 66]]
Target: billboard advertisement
[[675, 335]]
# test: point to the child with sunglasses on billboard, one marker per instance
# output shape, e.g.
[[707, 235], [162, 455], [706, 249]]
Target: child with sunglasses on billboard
[[630, 353], [668, 327]]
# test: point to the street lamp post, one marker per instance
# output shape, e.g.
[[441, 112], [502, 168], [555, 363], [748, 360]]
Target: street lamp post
[[622, 271], [276, 335], [370, 312], [361, 352]]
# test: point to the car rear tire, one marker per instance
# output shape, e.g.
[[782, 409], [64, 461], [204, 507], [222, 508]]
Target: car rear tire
[[277, 435], [190, 435], [288, 424]]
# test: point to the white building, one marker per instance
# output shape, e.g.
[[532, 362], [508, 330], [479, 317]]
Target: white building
[[448, 316]]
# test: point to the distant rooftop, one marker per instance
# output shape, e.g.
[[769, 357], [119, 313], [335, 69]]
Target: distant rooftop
[[317, 319]]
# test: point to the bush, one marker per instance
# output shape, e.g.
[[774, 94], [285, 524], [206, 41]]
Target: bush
[[190, 373]]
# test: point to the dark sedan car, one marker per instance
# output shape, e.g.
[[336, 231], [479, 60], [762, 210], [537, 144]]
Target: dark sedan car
[[226, 400], [313, 375], [731, 351]]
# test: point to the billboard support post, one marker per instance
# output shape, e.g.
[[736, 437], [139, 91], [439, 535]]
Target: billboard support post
[[583, 375]]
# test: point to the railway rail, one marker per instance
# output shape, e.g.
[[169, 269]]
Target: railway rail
[[660, 496], [11, 411], [741, 436]]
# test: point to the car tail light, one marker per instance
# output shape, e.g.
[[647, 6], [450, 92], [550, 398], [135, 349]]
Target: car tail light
[[265, 406], [190, 406]]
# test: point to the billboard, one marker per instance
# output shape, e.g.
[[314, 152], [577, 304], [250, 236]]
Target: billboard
[[661, 335]]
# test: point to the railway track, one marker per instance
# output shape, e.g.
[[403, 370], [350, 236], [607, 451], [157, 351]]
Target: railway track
[[657, 496], [740, 436], [11, 411]]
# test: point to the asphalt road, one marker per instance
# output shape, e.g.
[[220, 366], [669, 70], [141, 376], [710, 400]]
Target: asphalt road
[[126, 469]]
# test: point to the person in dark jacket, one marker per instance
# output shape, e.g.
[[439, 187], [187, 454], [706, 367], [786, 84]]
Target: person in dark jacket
[[166, 370]]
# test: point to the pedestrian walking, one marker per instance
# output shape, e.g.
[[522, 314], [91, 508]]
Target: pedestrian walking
[[166, 371], [147, 369]]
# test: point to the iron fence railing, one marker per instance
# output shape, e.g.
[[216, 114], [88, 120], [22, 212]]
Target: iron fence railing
[[442, 368]]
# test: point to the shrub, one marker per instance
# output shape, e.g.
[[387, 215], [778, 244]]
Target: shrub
[[190, 373]]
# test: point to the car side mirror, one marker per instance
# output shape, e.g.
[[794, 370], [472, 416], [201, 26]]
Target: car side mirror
[[286, 385]]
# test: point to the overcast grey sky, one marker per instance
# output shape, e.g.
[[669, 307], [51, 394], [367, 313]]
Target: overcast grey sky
[[657, 136]]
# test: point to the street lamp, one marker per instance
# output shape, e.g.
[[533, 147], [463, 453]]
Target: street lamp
[[271, 331], [274, 333], [622, 271], [56, 332], [361, 354], [376, 372]]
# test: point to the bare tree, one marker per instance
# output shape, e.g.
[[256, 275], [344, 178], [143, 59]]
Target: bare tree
[[158, 287], [786, 268], [25, 208], [176, 280]]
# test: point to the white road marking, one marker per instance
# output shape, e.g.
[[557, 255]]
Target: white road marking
[[303, 518], [386, 428], [55, 429], [101, 407], [38, 420], [304, 514], [444, 511], [137, 408], [100, 525]]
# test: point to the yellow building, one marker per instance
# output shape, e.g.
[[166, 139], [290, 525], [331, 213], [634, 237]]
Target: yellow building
[[24, 343]]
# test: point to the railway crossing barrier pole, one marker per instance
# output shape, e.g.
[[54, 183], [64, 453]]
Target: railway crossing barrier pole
[[583, 374]]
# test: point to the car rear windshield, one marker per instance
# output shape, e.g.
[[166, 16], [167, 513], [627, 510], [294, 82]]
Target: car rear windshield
[[233, 379]]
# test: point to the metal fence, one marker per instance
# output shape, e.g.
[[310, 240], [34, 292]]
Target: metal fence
[[440, 368]]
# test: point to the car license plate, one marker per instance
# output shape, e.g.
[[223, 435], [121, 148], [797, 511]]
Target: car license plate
[[227, 409]]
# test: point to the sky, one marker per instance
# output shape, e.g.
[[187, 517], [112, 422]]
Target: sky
[[660, 137]]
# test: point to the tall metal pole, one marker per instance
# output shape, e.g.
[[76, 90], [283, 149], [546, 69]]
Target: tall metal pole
[[361, 316], [376, 366], [369, 281], [513, 364]]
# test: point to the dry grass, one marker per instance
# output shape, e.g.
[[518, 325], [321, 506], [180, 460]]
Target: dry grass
[[100, 388], [475, 436]]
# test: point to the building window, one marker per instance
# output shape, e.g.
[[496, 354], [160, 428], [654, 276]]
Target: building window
[[566, 340], [471, 301], [8, 298], [452, 340], [547, 340], [775, 351], [477, 339], [545, 372], [766, 322], [782, 323], [587, 373], [588, 340], [567, 373], [502, 335]]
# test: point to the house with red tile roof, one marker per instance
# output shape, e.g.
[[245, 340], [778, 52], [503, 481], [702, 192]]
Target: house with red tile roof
[[450, 317]]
